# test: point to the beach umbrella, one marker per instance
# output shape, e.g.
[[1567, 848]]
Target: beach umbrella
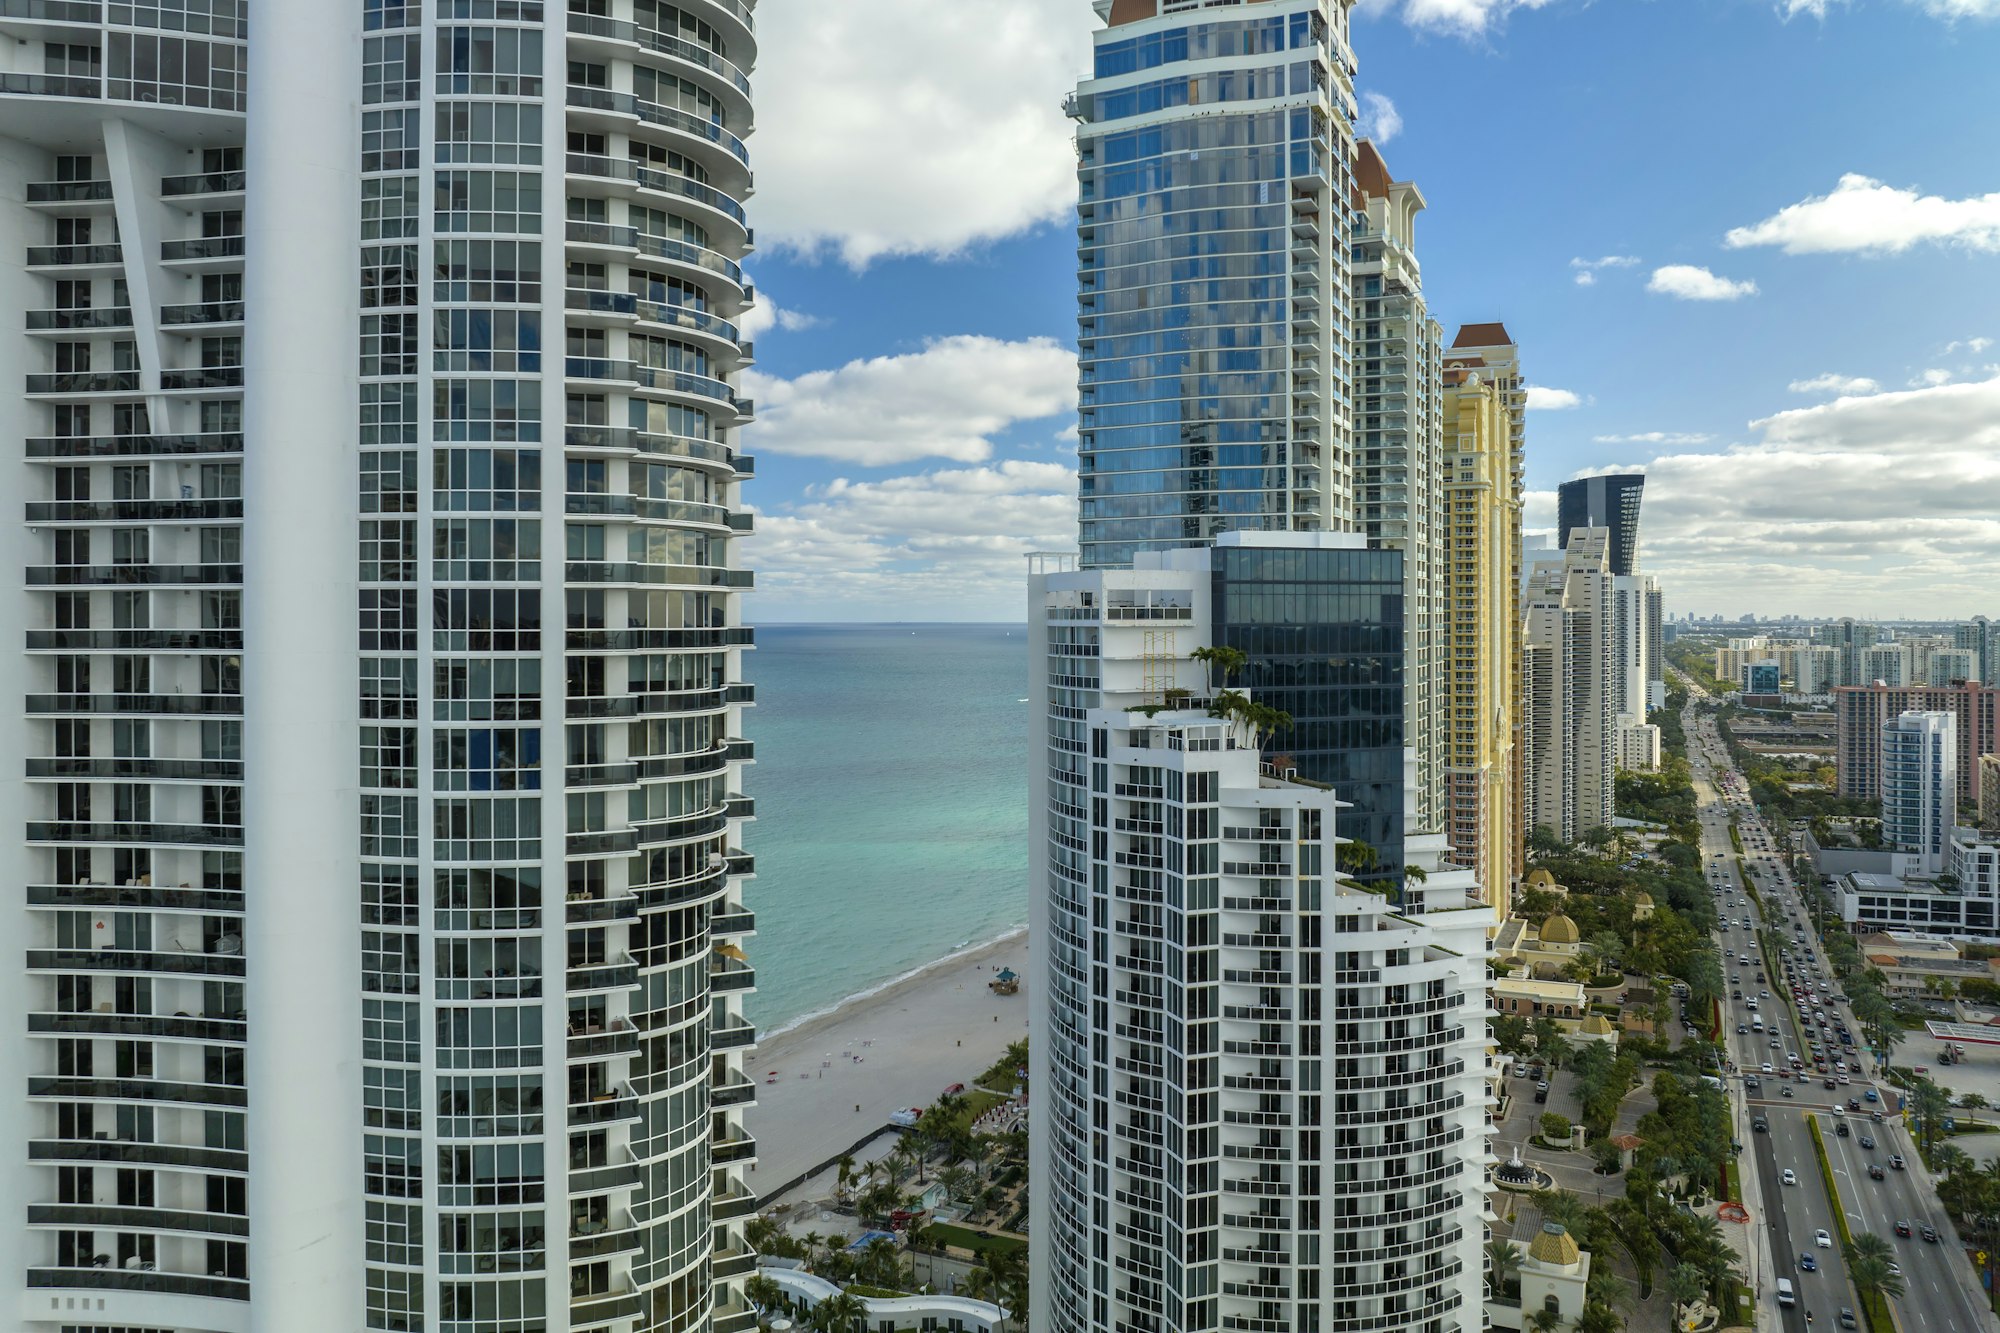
[[732, 952]]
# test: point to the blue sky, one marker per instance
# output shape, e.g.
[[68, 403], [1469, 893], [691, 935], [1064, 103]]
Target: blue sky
[[1799, 201]]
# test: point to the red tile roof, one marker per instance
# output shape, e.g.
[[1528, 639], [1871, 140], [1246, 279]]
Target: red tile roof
[[1131, 11], [1371, 173], [1483, 335]]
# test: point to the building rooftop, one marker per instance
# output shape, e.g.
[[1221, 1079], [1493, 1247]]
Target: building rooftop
[[1371, 173], [1483, 335], [1569, 991], [1554, 1246]]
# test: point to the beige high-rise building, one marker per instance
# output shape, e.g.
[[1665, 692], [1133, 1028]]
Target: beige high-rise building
[[1482, 659], [1568, 654]]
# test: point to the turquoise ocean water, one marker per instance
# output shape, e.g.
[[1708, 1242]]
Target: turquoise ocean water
[[891, 790]]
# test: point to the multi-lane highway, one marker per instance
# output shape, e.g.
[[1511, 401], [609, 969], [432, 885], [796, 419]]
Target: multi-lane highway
[[1803, 1014]]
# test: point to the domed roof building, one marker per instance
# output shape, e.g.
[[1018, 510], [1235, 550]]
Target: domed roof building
[[1559, 929]]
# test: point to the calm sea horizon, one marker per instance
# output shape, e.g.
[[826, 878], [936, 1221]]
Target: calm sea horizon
[[891, 791]]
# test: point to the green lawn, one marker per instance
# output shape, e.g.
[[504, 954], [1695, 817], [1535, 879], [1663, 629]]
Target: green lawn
[[946, 1233]]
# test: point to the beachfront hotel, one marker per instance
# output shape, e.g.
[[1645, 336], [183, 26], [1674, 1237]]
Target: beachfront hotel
[[1260, 1085], [380, 652]]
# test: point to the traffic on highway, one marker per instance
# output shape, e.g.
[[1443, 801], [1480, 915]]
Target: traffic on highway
[[1796, 1054]]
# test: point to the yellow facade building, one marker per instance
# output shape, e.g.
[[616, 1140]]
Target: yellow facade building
[[1483, 464]]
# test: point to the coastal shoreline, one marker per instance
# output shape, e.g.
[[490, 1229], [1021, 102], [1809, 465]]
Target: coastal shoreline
[[829, 1079], [867, 994]]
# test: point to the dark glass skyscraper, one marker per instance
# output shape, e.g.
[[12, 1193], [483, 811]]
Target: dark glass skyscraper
[[1322, 630], [1604, 502]]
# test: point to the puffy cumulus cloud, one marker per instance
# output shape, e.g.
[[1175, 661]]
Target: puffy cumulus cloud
[[1464, 17], [1587, 269], [1930, 378], [1655, 437], [909, 127], [761, 318], [940, 545], [1831, 383], [1864, 216], [1541, 398], [1881, 501], [1689, 282], [945, 401], [1972, 345], [1380, 121]]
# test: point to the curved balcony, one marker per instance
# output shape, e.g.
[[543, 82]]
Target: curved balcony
[[139, 1280], [63, 447], [139, 835], [656, 640], [14, 84], [717, 72], [114, 1217], [138, 1090], [205, 189], [137, 640], [645, 509], [610, 573], [122, 1153], [182, 899], [203, 378], [677, 188], [153, 1026], [152, 962], [133, 511], [606, 102], [133, 576], [625, 440]]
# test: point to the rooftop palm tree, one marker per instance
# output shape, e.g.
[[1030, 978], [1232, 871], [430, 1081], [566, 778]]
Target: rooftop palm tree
[[1503, 1262], [838, 1313], [765, 1294]]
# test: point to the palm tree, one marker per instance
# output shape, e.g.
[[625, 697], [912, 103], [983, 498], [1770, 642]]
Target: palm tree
[[812, 1240], [846, 1165], [764, 1293], [959, 1183], [1503, 1262], [1973, 1102], [1686, 1284], [838, 1313], [1565, 1210], [1545, 1321], [1607, 1288], [1868, 1245], [1871, 1277], [1599, 1318]]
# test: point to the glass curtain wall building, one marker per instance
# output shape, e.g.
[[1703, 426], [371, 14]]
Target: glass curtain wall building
[[1610, 502], [1214, 155], [383, 664]]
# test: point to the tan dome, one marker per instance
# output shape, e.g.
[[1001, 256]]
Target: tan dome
[[1597, 1025], [1554, 1246], [1559, 929], [1540, 878], [1642, 899]]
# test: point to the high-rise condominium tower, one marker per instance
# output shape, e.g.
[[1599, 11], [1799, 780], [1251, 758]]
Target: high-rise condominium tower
[[1568, 657], [377, 850], [1920, 785], [1398, 446], [1215, 150], [1260, 1089], [1608, 502], [1482, 630]]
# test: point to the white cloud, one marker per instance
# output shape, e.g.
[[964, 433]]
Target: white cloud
[[945, 401], [1466, 17], [1587, 269], [908, 127], [1380, 121], [1862, 503], [1960, 9], [1791, 9], [1972, 345], [761, 318], [1544, 399], [1687, 282], [1832, 383], [942, 545], [1867, 217], [1659, 437], [1930, 379]]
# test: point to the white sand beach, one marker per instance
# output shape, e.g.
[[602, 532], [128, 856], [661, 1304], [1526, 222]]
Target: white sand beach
[[900, 1047]]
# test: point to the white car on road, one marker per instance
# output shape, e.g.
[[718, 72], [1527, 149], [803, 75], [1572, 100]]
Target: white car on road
[[1821, 1239]]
